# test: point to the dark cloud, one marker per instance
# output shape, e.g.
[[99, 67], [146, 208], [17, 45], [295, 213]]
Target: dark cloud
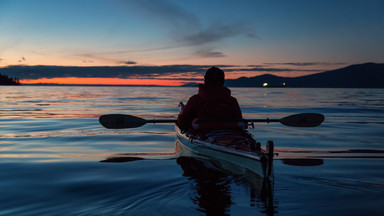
[[168, 14], [216, 33], [185, 28], [209, 53], [100, 56], [130, 62], [36, 72], [150, 72], [95, 57], [255, 66], [22, 59]]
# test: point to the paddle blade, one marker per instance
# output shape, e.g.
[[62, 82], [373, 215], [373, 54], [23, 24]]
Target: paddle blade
[[120, 121], [121, 159], [303, 120]]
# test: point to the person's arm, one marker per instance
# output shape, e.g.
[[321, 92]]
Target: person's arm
[[184, 120], [236, 109]]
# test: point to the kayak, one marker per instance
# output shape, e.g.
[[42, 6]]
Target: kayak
[[234, 149], [229, 148]]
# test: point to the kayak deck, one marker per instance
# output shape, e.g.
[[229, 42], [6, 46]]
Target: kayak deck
[[234, 149]]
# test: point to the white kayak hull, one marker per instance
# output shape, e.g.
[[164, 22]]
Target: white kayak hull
[[236, 161]]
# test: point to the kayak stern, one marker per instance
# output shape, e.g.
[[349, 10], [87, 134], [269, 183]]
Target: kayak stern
[[236, 161]]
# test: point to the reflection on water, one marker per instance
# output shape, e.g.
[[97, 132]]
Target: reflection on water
[[213, 187], [51, 144], [303, 162], [212, 181]]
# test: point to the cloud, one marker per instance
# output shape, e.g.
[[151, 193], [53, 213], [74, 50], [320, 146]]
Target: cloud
[[186, 29], [149, 72], [208, 53], [101, 56], [130, 62], [36, 72], [169, 14], [22, 59], [216, 33], [258, 66]]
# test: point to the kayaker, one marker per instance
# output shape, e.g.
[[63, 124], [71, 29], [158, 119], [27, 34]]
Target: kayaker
[[212, 107]]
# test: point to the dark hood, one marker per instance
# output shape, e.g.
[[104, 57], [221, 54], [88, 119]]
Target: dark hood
[[214, 93]]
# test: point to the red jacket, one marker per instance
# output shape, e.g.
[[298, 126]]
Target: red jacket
[[212, 102]]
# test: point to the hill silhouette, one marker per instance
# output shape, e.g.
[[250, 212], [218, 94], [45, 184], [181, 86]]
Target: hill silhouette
[[368, 75]]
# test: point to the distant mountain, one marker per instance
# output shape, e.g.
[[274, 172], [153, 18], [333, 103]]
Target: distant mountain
[[5, 80], [191, 84], [368, 75], [257, 81]]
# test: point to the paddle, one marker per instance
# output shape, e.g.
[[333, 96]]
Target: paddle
[[121, 121]]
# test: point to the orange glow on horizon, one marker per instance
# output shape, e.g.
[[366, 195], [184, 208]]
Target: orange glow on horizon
[[104, 81]]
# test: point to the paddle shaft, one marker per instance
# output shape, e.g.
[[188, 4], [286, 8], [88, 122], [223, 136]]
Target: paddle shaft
[[121, 121], [161, 121], [263, 120], [154, 121]]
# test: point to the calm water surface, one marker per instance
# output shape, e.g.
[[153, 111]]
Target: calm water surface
[[55, 157]]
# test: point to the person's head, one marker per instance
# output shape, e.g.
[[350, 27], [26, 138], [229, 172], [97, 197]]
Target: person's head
[[214, 76]]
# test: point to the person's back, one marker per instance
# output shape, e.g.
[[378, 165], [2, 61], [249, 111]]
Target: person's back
[[213, 103]]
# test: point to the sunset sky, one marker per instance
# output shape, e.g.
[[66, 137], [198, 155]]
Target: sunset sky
[[245, 37]]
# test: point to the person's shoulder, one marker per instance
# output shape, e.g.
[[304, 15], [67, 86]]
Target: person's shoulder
[[235, 100], [232, 98], [195, 97]]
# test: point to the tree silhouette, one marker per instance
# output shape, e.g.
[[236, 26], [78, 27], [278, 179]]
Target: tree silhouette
[[5, 80]]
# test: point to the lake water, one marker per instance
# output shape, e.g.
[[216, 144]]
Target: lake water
[[52, 147]]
